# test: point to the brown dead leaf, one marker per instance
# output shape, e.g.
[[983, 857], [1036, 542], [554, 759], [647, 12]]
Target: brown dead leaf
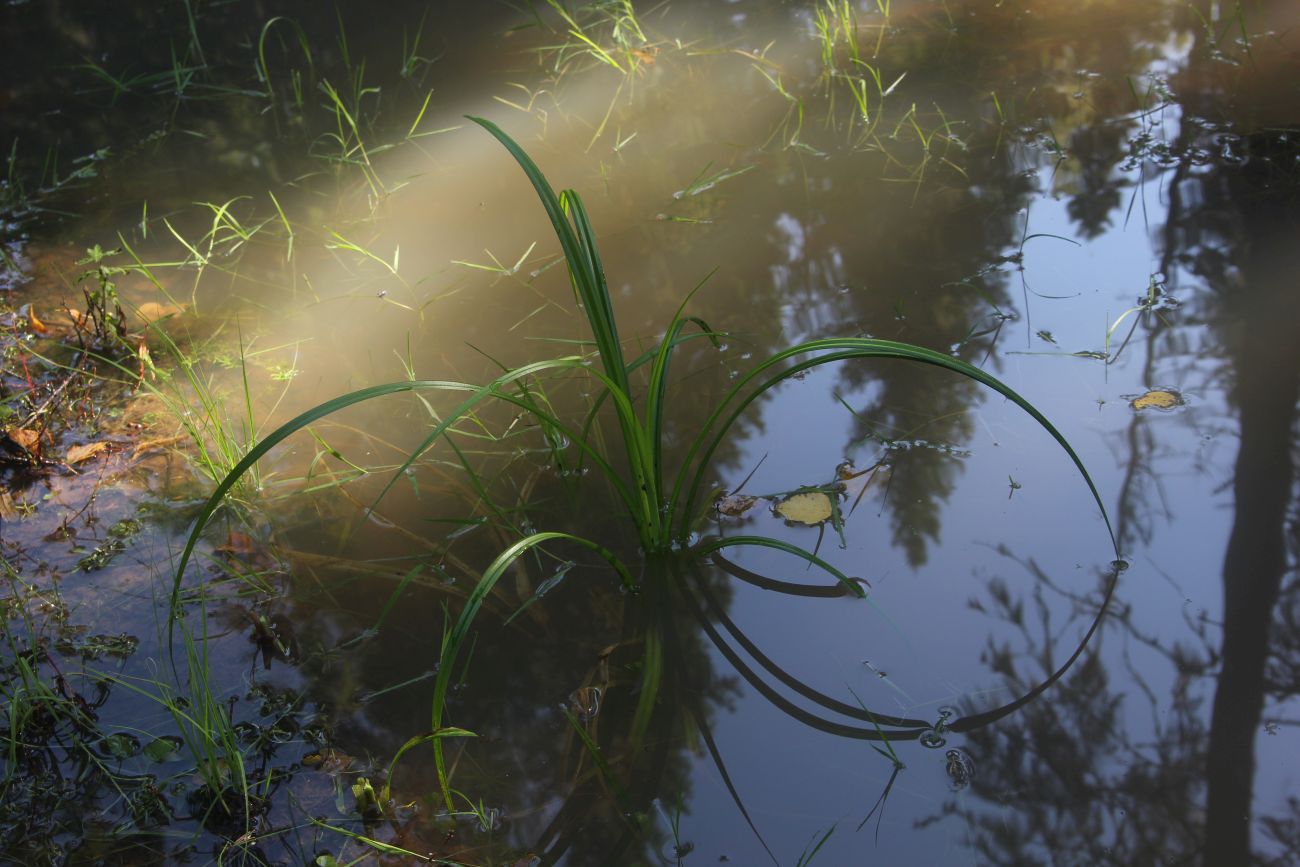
[[8, 511], [30, 440], [735, 505], [37, 325], [146, 361], [239, 544], [149, 445], [151, 311], [66, 317], [77, 454]]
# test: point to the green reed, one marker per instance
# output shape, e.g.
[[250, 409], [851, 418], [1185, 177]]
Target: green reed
[[661, 505]]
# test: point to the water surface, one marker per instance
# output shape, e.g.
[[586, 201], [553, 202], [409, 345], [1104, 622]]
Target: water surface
[[1093, 202]]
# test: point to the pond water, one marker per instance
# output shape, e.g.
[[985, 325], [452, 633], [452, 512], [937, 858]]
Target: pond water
[[1097, 203]]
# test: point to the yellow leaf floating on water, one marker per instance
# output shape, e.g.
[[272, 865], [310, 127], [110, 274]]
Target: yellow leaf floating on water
[[1157, 398], [810, 507]]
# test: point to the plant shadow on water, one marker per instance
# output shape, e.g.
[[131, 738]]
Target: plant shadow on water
[[664, 512]]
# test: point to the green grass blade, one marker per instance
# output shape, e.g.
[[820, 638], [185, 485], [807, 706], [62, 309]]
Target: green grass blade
[[814, 846], [412, 743], [578, 262], [764, 542], [652, 669], [457, 634], [626, 804], [257, 452], [637, 498], [763, 378], [577, 240], [658, 386]]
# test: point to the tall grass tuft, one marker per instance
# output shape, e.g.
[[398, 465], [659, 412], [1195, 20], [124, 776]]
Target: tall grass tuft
[[660, 504]]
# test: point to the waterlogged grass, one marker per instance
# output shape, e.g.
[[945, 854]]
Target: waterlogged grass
[[662, 503]]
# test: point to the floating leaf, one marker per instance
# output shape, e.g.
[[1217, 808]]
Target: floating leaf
[[163, 748], [77, 454], [125, 528], [120, 746], [809, 507], [1157, 398], [329, 760]]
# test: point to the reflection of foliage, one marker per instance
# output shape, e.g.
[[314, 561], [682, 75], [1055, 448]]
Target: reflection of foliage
[[1062, 782], [1083, 792], [1282, 676]]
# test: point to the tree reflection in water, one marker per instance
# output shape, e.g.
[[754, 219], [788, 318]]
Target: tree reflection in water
[[1067, 782]]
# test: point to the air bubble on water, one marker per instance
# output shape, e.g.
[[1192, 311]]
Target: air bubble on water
[[932, 740], [585, 702], [844, 289]]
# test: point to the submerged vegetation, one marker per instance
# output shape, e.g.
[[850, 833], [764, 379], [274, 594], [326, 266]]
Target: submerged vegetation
[[257, 609]]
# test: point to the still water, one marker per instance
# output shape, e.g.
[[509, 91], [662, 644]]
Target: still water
[[1098, 203]]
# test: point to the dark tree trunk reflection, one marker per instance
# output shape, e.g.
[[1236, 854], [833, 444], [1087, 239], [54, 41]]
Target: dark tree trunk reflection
[[1266, 359]]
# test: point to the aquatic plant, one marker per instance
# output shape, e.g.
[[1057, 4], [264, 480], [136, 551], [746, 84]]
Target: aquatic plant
[[625, 36], [662, 505]]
